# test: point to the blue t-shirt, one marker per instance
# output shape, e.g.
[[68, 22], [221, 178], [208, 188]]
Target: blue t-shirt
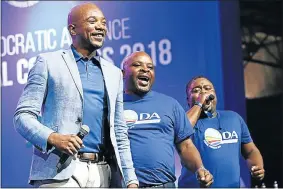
[[156, 123], [219, 142]]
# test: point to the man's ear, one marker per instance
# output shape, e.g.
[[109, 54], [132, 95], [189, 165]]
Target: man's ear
[[72, 29]]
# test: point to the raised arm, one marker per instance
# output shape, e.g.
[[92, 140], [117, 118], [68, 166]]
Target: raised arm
[[194, 112]]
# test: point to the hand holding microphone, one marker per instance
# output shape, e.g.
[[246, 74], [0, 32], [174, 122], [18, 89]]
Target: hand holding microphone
[[68, 144], [204, 98], [209, 98]]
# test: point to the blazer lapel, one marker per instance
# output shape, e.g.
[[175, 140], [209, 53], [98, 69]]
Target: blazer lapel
[[73, 69], [107, 78]]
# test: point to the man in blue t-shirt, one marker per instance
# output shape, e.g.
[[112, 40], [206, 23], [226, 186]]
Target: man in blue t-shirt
[[157, 123], [220, 136]]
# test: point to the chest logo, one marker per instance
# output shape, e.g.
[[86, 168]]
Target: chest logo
[[132, 118], [214, 139]]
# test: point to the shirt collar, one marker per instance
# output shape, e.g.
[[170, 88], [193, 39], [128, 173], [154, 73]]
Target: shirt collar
[[134, 97], [78, 56], [199, 125]]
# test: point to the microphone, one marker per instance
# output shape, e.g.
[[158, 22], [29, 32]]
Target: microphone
[[84, 130], [210, 97]]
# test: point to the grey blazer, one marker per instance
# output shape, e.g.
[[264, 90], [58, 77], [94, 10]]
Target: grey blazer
[[54, 93]]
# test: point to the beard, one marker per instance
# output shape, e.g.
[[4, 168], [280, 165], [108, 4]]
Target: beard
[[133, 86], [207, 107], [91, 44], [142, 89], [94, 45], [210, 107]]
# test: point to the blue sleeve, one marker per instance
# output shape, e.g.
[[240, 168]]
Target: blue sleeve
[[182, 126], [245, 134]]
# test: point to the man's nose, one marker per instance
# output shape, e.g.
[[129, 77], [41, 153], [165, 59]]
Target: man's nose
[[203, 90], [100, 26], [145, 68]]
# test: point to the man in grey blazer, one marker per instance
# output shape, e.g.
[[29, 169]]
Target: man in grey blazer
[[65, 90]]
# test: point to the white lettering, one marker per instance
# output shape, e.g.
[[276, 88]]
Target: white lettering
[[154, 115], [9, 51], [148, 116], [144, 116], [107, 52], [39, 33], [51, 44], [5, 79], [66, 38], [126, 51], [124, 28], [118, 29], [22, 77], [234, 135], [29, 43], [138, 47], [226, 135], [3, 46], [165, 55], [33, 41], [20, 39], [118, 23]]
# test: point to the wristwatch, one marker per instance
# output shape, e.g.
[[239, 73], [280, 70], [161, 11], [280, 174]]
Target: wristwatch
[[198, 104]]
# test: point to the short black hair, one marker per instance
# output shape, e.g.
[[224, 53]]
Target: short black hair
[[193, 79]]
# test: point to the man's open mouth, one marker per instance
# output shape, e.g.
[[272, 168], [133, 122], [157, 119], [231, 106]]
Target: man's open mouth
[[98, 35], [143, 80]]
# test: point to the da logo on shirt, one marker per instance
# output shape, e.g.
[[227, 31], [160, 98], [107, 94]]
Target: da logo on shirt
[[213, 138], [132, 118]]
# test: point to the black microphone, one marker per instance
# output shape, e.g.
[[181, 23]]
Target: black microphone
[[210, 97], [84, 130]]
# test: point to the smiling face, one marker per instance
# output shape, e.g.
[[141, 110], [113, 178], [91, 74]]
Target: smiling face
[[139, 73], [87, 26]]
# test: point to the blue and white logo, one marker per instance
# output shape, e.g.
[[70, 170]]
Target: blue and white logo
[[132, 118]]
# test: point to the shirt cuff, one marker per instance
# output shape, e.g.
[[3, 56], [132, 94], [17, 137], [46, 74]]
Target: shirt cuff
[[133, 182]]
